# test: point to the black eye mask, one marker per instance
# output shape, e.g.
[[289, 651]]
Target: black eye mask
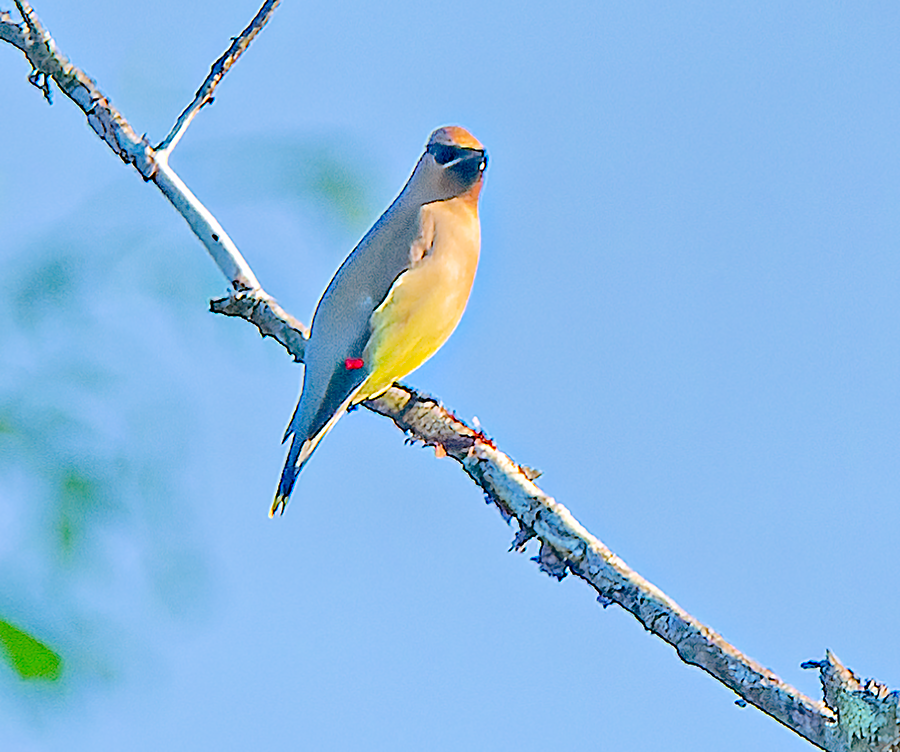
[[444, 154]]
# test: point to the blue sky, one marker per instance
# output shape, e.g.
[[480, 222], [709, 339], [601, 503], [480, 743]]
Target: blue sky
[[685, 315]]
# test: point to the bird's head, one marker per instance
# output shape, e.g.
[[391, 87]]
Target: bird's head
[[453, 165]]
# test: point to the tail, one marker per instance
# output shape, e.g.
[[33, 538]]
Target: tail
[[299, 455], [292, 467]]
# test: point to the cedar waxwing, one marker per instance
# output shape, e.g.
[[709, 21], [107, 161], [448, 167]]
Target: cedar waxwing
[[396, 298]]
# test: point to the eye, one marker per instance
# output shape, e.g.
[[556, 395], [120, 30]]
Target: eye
[[443, 154]]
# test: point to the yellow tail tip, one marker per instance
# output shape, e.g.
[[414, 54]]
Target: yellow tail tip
[[279, 503]]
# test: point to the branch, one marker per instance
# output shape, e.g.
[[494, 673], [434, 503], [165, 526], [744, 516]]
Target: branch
[[266, 315], [48, 62], [853, 717], [211, 234], [206, 227], [869, 719], [11, 32], [566, 546], [204, 94]]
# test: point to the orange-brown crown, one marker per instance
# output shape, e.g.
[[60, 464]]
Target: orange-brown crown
[[454, 135]]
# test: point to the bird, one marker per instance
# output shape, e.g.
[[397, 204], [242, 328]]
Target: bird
[[396, 298]]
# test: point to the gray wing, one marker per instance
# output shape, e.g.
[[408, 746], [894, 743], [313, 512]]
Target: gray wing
[[340, 327]]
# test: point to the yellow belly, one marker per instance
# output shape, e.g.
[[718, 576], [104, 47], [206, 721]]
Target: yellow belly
[[426, 302]]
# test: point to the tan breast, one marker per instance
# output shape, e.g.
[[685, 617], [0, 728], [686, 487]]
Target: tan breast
[[426, 302]]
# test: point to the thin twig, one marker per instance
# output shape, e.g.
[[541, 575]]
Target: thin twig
[[30, 18], [204, 94]]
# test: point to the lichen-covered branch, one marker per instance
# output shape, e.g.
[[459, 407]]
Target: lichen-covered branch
[[47, 62], [566, 546], [867, 711], [267, 316], [854, 716], [12, 32]]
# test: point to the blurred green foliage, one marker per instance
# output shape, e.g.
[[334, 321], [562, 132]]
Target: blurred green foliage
[[28, 656], [99, 394], [90, 492], [78, 496], [321, 173]]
